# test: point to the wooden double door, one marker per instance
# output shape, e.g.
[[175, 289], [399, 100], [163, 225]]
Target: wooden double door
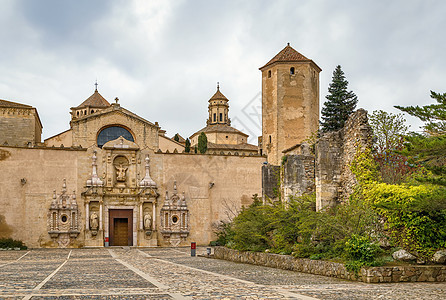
[[121, 227]]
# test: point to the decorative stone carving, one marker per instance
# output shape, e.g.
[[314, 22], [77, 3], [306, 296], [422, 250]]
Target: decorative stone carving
[[63, 217], [148, 222], [120, 165], [147, 181], [120, 172], [94, 223], [175, 217], [94, 180]]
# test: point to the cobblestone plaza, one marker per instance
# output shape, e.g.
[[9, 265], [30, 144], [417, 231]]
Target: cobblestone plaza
[[168, 273]]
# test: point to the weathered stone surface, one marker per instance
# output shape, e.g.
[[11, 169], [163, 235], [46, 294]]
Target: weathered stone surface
[[270, 181], [298, 175], [411, 273], [403, 255], [335, 152], [439, 257]]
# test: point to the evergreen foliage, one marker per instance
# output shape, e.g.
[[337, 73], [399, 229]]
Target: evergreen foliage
[[187, 146], [429, 150], [341, 103], [8, 243], [434, 114], [202, 143], [176, 137]]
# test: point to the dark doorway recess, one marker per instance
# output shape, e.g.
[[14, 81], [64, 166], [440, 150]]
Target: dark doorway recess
[[121, 225]]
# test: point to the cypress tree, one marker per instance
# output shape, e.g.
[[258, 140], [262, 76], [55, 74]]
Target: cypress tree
[[187, 146], [202, 143], [341, 103], [176, 137]]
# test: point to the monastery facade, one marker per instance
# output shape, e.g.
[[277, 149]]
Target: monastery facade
[[116, 179]]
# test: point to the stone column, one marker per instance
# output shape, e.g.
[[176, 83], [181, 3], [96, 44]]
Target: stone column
[[100, 215], [141, 217], [87, 216], [154, 216]]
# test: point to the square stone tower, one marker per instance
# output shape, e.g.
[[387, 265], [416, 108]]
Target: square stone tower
[[290, 102]]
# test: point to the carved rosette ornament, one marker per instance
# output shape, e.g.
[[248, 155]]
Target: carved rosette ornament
[[175, 217], [63, 217]]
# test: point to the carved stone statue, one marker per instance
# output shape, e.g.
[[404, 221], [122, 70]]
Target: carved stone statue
[[147, 221], [94, 221], [120, 172]]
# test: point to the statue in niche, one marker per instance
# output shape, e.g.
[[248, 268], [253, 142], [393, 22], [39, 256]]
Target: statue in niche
[[94, 221], [148, 222], [120, 172]]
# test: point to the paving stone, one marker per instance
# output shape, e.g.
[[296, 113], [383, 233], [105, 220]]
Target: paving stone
[[165, 273]]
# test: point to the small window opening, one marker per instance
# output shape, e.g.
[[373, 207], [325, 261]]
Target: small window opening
[[215, 117], [92, 111], [174, 219], [270, 139], [226, 136], [269, 74], [221, 117], [292, 71], [78, 113]]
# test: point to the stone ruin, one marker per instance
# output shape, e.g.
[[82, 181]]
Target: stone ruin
[[326, 171]]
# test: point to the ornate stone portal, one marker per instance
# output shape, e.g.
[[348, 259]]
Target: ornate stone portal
[[175, 217], [63, 218], [120, 200]]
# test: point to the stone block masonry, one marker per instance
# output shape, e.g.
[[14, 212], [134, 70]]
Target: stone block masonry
[[270, 181], [298, 176], [427, 273], [335, 152]]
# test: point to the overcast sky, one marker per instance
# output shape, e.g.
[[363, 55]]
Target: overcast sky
[[164, 58]]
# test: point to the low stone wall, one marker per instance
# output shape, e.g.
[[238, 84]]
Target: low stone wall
[[436, 273]]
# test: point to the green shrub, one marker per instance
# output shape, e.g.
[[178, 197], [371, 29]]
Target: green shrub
[[361, 249], [6, 243]]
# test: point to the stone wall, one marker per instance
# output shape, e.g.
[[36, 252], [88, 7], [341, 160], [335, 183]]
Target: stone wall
[[215, 186], [435, 273], [19, 126], [334, 153], [297, 176], [270, 181]]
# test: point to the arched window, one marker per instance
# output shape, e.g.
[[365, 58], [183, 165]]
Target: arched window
[[292, 71], [112, 133], [269, 74], [78, 113], [221, 117], [92, 111], [215, 117]]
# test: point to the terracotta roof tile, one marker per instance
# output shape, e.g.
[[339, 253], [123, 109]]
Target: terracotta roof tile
[[218, 96], [95, 100], [288, 54], [219, 128]]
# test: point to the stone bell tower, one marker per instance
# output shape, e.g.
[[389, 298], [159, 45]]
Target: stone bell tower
[[290, 102], [218, 109]]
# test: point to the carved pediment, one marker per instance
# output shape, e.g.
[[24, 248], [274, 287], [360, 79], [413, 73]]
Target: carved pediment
[[120, 144]]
